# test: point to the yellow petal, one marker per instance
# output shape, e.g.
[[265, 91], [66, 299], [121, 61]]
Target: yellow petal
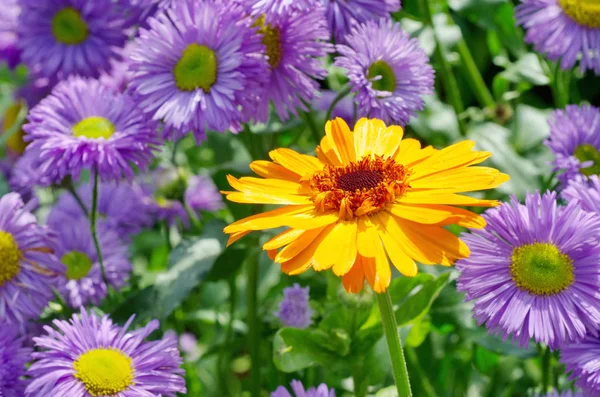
[[461, 179], [304, 260], [410, 153], [341, 140], [354, 280], [367, 135], [442, 197], [297, 246], [300, 164], [377, 270], [303, 217], [400, 259], [338, 249], [367, 237], [283, 238], [437, 214], [265, 185], [263, 198], [267, 169], [457, 155]]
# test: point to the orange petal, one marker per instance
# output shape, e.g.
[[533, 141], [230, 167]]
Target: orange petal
[[437, 214], [263, 198], [410, 153], [341, 140], [354, 280], [377, 271], [303, 217], [283, 238], [442, 197], [298, 245], [304, 260], [457, 155], [338, 249], [400, 259], [326, 149], [367, 237], [367, 133], [236, 236], [463, 179]]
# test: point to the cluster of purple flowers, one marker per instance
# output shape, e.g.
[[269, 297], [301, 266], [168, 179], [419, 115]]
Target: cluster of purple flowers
[[534, 271]]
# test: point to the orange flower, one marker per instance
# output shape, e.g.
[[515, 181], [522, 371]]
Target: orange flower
[[368, 198]]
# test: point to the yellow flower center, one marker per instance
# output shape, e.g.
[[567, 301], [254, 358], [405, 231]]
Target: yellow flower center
[[586, 153], [15, 141], [541, 269], [197, 68], [386, 78], [68, 27], [359, 188], [94, 128], [78, 264], [271, 40], [584, 12], [104, 372], [9, 257]]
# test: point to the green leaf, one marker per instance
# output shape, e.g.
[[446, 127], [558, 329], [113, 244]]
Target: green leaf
[[227, 264], [418, 332], [526, 69], [485, 360], [295, 349], [418, 304]]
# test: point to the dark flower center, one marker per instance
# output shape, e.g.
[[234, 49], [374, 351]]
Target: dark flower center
[[386, 79], [68, 27], [541, 269], [271, 40], [358, 180], [197, 68]]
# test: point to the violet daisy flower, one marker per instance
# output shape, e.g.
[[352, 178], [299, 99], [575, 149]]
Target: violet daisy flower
[[581, 359], [533, 271], [90, 356], [66, 37], [13, 357], [389, 72], [260, 7], [564, 30], [202, 194], [25, 174], [343, 15], [575, 141], [166, 194], [28, 269], [321, 391], [83, 282], [294, 310], [199, 66], [585, 192], [295, 44], [121, 207], [9, 49], [84, 125]]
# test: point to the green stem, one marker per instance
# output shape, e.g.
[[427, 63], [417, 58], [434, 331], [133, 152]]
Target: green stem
[[390, 329], [253, 324], [473, 75], [561, 81], [93, 216], [546, 370], [223, 360], [312, 125], [360, 387], [448, 78], [413, 359], [167, 228], [337, 100], [69, 187]]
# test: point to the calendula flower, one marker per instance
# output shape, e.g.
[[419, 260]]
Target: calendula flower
[[533, 271], [366, 197], [90, 356], [564, 30]]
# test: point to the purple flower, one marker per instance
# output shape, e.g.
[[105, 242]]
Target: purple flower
[[199, 66], [585, 192], [66, 37], [13, 357], [575, 142], [344, 108], [83, 283], [119, 76], [295, 43], [343, 15], [90, 356], [122, 207], [25, 174], [29, 269], [581, 359], [9, 16], [294, 310], [166, 188], [84, 125], [564, 30], [260, 7], [388, 71], [189, 345], [202, 194], [533, 271], [321, 391]]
